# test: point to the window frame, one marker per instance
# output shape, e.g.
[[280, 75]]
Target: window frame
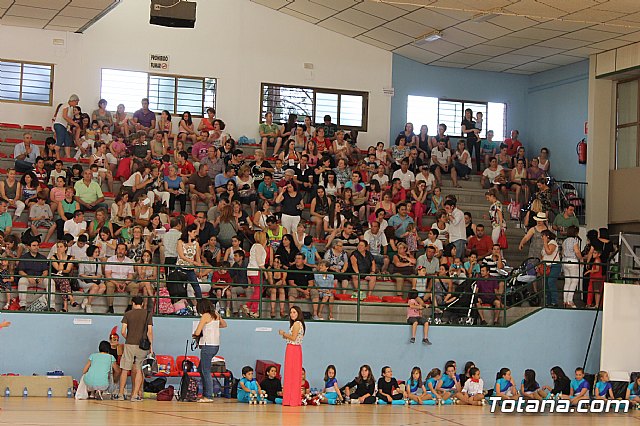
[[175, 77], [458, 132], [339, 92], [627, 125], [22, 64]]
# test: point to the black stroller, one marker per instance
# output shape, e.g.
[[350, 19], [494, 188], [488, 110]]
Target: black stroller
[[462, 309], [519, 282]]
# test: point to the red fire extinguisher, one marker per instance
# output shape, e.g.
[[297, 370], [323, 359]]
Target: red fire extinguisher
[[581, 149]]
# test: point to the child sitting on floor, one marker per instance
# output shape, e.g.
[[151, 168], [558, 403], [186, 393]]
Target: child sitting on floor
[[415, 390], [633, 390], [529, 388], [505, 386], [388, 388], [272, 385], [579, 388], [473, 391], [248, 386], [603, 388], [332, 394], [448, 385]]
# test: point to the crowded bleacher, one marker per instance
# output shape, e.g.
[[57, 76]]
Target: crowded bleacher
[[129, 204]]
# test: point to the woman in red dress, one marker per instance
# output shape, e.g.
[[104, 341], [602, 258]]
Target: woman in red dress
[[293, 358]]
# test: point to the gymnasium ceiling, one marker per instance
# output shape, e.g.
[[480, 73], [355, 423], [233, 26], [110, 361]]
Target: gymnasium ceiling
[[514, 36], [61, 15]]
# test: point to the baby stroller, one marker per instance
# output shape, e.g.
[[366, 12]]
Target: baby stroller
[[461, 310], [519, 281]]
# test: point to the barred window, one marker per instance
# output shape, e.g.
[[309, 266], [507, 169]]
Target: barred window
[[173, 93], [348, 109], [26, 82]]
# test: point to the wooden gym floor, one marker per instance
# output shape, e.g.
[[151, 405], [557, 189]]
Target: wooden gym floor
[[61, 411]]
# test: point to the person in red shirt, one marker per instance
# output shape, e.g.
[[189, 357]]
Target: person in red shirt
[[398, 193], [512, 143], [480, 242], [42, 176], [185, 168]]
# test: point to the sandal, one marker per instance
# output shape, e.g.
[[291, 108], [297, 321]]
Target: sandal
[[331, 318]]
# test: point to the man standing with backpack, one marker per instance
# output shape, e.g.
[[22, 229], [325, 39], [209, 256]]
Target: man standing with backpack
[[137, 329]]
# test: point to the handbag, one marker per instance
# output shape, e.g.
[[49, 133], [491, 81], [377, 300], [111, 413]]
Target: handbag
[[542, 268], [145, 343], [502, 240]]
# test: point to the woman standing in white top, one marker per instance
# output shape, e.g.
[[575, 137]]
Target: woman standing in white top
[[293, 358], [63, 118], [571, 255], [257, 260], [208, 334]]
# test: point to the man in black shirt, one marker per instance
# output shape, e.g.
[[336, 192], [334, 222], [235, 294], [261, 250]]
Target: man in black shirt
[[205, 228], [362, 263], [347, 236], [304, 177], [300, 278], [241, 281], [33, 269]]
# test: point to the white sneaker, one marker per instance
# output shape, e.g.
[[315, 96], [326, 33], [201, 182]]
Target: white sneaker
[[85, 302], [88, 309]]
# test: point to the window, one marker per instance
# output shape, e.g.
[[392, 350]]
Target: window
[[26, 82], [174, 93], [347, 109], [627, 123], [433, 111]]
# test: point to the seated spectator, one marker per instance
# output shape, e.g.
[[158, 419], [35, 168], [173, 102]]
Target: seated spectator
[[302, 286], [489, 293], [406, 177], [185, 167], [176, 188], [98, 368], [429, 261], [414, 161], [25, 154], [76, 226], [520, 155], [346, 235], [494, 260], [488, 148], [144, 120], [6, 224], [433, 241], [543, 160], [399, 152], [462, 163], [442, 225], [362, 263], [404, 265], [222, 179], [400, 221], [441, 161], [90, 277], [343, 172], [61, 267], [88, 192], [120, 276], [186, 129], [270, 134], [40, 215], [341, 148], [200, 188], [33, 270], [30, 189], [504, 159], [214, 161], [513, 143], [493, 175], [518, 179], [246, 189], [241, 283], [480, 243], [378, 246]]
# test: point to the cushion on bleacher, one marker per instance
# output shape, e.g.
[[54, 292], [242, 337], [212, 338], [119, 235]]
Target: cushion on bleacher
[[13, 140], [33, 127], [393, 299], [372, 299], [10, 125], [19, 224], [342, 297]]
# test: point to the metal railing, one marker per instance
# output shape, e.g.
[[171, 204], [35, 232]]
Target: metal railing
[[378, 305], [518, 296]]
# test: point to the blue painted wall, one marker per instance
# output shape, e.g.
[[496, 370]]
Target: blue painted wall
[[557, 103], [413, 78], [547, 338], [548, 108]]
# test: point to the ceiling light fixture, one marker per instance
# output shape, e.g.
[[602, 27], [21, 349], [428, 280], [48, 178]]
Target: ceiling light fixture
[[429, 37]]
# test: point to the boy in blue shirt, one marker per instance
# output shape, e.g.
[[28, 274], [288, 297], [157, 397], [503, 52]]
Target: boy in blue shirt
[[248, 385], [310, 252], [325, 283], [579, 388]]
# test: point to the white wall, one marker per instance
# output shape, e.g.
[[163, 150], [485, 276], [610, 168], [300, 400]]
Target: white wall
[[239, 42]]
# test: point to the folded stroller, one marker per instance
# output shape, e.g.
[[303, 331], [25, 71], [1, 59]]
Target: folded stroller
[[519, 282]]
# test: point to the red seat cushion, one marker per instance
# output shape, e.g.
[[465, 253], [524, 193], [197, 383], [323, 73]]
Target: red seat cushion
[[13, 140], [393, 299], [19, 224], [68, 160], [33, 127], [10, 125], [372, 299], [343, 297]]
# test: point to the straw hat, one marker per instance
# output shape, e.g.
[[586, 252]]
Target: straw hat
[[540, 217]]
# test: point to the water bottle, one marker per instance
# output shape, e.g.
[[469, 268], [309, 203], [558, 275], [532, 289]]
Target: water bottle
[[7, 392], [25, 392], [49, 393], [69, 393]]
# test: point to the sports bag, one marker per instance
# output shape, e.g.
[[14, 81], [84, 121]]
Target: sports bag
[[166, 394]]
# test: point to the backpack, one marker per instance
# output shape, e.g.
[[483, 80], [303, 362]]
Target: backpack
[[150, 367], [154, 386], [39, 305], [165, 306], [176, 284], [166, 394], [188, 388]]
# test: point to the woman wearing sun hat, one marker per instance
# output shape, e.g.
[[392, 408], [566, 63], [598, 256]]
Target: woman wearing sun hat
[[534, 235]]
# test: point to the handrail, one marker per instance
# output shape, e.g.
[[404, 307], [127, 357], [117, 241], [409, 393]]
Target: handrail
[[365, 309]]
